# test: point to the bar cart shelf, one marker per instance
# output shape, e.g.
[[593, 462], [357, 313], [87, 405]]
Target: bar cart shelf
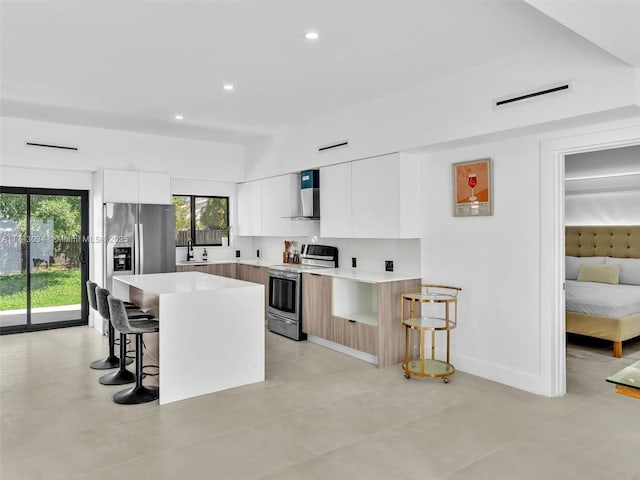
[[442, 297]]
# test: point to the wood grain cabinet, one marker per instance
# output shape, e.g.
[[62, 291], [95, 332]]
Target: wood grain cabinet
[[220, 269], [316, 305], [359, 315]]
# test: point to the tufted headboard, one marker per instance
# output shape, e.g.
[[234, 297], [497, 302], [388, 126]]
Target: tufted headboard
[[619, 241]]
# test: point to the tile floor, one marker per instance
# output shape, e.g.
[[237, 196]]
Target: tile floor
[[319, 415]]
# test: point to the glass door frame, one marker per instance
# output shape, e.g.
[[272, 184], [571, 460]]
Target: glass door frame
[[84, 258]]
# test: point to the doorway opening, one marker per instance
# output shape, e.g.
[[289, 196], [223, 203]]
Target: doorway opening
[[44, 258], [552, 225], [602, 190]]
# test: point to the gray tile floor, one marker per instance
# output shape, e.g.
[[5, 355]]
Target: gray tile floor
[[319, 415]]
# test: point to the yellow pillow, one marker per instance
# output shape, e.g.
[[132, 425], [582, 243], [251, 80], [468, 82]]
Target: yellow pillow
[[594, 272]]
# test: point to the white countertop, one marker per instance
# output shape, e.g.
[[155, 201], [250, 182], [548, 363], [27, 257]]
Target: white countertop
[[366, 277], [348, 273], [180, 282], [257, 262]]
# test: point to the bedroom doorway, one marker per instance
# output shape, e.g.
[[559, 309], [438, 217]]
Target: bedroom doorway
[[552, 241], [602, 189]]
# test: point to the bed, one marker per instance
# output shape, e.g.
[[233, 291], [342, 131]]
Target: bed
[[609, 311]]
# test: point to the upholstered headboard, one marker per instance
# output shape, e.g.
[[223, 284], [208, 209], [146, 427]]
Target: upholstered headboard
[[619, 241]]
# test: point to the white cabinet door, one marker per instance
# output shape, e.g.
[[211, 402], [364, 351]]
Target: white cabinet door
[[280, 202], [120, 186], [376, 197], [125, 186], [250, 208], [154, 188], [335, 201]]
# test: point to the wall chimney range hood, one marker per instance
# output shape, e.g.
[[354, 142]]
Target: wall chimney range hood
[[310, 194]]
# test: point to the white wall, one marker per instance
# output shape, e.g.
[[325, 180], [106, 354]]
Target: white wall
[[460, 107], [603, 208], [603, 187], [495, 260], [102, 148], [370, 253]]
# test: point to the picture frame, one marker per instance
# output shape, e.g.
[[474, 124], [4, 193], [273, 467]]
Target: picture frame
[[473, 188]]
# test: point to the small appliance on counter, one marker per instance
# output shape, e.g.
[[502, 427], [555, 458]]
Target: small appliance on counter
[[284, 313]]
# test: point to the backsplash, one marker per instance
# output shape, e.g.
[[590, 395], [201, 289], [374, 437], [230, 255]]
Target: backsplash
[[371, 254], [244, 244]]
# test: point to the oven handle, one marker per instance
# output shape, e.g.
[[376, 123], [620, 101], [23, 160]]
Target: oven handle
[[284, 319], [285, 275]]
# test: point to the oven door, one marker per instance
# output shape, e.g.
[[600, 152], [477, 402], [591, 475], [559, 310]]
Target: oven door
[[284, 294]]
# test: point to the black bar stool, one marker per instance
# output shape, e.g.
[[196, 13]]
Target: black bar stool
[[111, 361], [121, 322], [122, 375]]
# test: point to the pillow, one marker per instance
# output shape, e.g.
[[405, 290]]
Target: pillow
[[572, 265], [629, 269], [590, 272]]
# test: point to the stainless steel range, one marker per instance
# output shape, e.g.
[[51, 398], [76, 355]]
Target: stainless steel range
[[285, 289]]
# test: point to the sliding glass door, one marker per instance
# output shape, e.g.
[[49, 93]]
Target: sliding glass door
[[43, 258]]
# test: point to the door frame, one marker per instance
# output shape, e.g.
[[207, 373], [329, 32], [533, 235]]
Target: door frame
[[552, 243], [84, 264]]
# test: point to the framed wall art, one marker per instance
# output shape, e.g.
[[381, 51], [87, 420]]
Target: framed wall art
[[473, 188]]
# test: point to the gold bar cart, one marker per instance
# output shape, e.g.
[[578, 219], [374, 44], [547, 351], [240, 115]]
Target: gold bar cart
[[422, 322]]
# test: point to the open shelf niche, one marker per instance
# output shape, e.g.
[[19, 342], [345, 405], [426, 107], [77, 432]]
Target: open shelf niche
[[354, 300]]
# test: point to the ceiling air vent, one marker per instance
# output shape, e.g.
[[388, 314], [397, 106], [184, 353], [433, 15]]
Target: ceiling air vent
[[49, 145], [332, 146], [561, 87]]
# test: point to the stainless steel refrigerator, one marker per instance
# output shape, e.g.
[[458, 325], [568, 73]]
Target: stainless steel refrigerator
[[138, 238]]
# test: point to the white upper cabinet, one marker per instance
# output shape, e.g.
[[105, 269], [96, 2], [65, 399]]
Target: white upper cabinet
[[119, 186], [376, 197], [154, 188], [250, 208], [126, 186], [266, 207], [335, 201]]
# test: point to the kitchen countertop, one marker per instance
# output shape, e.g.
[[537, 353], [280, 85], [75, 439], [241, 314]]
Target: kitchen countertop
[[348, 273], [161, 283], [366, 277], [258, 262]]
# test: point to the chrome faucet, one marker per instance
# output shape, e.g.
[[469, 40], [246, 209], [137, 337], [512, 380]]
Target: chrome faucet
[[189, 250]]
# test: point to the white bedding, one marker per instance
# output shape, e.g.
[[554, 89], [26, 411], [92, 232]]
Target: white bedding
[[604, 300]]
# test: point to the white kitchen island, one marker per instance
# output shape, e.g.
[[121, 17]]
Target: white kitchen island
[[211, 330]]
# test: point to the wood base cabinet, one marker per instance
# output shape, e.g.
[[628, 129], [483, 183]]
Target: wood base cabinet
[[382, 337], [316, 307], [220, 269]]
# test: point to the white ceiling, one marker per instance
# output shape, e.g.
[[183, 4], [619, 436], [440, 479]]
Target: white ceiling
[[133, 64]]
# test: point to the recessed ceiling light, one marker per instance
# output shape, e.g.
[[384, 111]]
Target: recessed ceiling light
[[178, 117], [311, 35], [228, 87]]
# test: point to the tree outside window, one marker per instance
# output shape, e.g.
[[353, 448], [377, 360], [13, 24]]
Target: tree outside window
[[204, 220]]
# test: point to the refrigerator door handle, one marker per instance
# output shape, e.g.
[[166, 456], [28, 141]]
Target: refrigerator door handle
[[136, 250], [141, 246]]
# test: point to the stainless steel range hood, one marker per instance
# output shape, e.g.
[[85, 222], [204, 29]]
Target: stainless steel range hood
[[310, 194]]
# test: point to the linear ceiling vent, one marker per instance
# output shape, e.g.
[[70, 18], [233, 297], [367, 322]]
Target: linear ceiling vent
[[49, 145], [332, 146], [562, 87]]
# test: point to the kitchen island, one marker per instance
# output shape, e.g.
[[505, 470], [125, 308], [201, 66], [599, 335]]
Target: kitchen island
[[211, 330]]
